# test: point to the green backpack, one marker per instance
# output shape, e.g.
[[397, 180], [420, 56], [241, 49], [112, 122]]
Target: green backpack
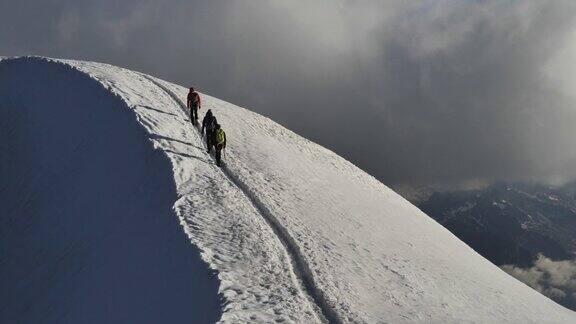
[[220, 137]]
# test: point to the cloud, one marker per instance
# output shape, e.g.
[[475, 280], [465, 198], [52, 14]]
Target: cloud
[[68, 26], [555, 279], [442, 92]]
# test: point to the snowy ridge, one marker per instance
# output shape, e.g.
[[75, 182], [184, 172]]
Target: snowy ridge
[[300, 268], [290, 226], [88, 233], [216, 216], [374, 255]]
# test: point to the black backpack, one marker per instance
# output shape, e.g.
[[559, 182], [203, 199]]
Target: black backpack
[[210, 124]]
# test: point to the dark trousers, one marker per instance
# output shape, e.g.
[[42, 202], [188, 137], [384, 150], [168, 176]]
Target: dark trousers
[[193, 113], [209, 136], [218, 155]]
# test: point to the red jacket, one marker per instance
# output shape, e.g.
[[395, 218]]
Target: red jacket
[[193, 100]]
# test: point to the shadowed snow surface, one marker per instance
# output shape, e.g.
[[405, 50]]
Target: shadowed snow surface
[[295, 233], [87, 233]]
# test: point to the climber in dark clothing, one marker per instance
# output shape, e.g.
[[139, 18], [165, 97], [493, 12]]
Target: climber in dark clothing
[[193, 103], [209, 125], [219, 141]]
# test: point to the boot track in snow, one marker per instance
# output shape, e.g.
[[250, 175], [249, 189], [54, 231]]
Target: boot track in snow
[[299, 266]]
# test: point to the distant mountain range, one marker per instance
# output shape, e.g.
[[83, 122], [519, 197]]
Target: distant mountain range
[[512, 223]]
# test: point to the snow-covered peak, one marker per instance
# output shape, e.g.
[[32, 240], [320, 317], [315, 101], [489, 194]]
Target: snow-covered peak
[[297, 233]]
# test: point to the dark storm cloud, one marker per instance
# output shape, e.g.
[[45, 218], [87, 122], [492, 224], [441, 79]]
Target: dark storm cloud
[[418, 92]]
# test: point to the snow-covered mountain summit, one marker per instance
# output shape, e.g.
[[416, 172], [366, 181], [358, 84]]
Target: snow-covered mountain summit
[[295, 232]]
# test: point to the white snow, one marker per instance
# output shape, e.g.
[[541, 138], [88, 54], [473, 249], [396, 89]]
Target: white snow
[[299, 234], [254, 269], [88, 233]]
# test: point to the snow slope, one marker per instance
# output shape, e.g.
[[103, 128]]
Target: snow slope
[[296, 233], [87, 230]]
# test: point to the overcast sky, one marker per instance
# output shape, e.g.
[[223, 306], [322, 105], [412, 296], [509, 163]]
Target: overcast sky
[[445, 92]]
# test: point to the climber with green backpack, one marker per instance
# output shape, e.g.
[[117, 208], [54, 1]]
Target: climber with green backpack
[[219, 141]]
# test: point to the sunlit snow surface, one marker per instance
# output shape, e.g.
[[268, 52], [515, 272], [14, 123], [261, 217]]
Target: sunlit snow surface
[[299, 234]]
